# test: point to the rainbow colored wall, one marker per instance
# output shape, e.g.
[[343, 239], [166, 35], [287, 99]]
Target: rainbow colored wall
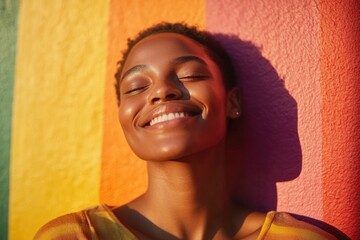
[[61, 145]]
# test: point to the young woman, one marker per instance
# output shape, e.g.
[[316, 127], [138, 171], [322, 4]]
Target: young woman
[[176, 92]]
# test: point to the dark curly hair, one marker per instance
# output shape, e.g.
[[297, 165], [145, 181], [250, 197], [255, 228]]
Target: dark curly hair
[[214, 49]]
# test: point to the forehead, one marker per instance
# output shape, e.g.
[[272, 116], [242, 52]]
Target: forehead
[[160, 46]]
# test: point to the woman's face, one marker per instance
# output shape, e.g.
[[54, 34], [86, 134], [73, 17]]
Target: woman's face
[[173, 101]]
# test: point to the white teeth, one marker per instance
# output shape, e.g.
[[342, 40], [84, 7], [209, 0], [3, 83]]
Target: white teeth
[[167, 117]]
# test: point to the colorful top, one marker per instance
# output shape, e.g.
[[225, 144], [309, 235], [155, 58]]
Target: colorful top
[[100, 223]]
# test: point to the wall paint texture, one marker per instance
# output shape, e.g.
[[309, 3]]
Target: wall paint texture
[[276, 97], [340, 86], [297, 144], [57, 114], [8, 35]]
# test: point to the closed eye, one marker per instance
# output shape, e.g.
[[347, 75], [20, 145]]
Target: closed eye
[[195, 77], [135, 90]]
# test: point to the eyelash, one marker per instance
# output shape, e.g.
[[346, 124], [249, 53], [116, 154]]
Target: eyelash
[[135, 89], [197, 77]]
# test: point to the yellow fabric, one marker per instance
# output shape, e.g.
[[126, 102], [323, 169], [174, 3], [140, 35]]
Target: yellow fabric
[[284, 226], [100, 223], [104, 225]]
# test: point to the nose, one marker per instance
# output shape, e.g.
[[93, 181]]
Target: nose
[[166, 90]]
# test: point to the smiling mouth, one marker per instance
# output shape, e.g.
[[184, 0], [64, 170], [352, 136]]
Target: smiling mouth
[[170, 116]]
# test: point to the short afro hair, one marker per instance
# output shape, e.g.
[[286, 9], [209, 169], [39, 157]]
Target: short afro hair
[[214, 49]]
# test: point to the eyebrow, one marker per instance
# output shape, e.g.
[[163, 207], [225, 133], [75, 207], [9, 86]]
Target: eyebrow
[[184, 59], [176, 61], [137, 68]]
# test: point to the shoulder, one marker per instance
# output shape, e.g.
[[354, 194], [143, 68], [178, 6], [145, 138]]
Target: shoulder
[[279, 225], [66, 227], [97, 222]]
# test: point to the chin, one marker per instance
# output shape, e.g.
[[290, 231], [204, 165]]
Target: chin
[[175, 152], [164, 154]]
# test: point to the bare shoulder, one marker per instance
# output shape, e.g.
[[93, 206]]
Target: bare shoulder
[[69, 226]]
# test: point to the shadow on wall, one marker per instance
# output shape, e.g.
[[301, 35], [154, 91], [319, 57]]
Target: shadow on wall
[[264, 146]]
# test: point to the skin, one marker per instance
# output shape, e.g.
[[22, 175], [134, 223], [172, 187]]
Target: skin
[[187, 198]]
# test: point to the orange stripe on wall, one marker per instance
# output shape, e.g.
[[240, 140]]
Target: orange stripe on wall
[[340, 67], [123, 175]]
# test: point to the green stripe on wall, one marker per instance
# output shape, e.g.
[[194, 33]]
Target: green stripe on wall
[[8, 32]]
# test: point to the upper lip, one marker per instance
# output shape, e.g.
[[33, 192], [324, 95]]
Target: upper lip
[[166, 108]]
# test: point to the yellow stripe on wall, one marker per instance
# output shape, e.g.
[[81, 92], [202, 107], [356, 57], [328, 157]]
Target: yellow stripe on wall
[[58, 108]]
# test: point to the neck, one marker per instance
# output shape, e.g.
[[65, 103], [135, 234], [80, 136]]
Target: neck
[[196, 178], [189, 194]]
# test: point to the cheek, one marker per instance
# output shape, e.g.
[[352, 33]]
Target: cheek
[[127, 112], [211, 96], [213, 99]]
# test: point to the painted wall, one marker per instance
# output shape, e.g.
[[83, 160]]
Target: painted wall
[[298, 138], [8, 35]]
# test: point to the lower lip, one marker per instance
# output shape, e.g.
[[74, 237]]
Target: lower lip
[[177, 122]]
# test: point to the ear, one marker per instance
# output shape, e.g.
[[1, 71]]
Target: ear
[[233, 103]]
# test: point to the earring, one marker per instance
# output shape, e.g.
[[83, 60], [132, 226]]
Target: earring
[[236, 114]]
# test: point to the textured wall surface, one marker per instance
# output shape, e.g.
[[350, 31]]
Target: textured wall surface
[[340, 86], [8, 32], [281, 97], [57, 115], [297, 145]]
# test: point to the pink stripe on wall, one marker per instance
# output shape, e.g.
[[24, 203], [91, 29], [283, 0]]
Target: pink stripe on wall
[[278, 62]]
